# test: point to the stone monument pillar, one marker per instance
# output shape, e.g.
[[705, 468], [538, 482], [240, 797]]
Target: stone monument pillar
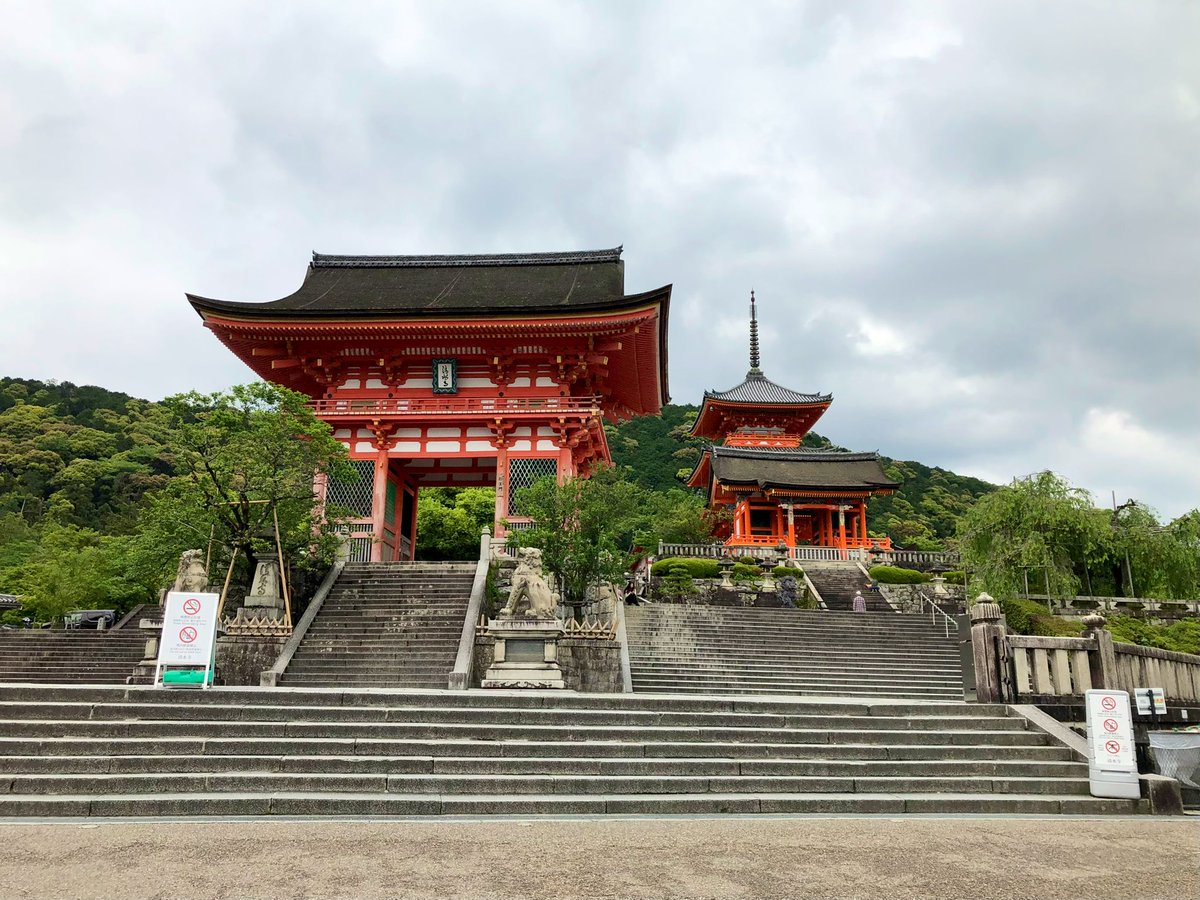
[[527, 631], [265, 600]]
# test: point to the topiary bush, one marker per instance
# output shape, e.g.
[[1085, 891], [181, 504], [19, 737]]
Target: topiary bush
[[953, 576], [785, 571], [696, 567], [677, 582], [896, 575]]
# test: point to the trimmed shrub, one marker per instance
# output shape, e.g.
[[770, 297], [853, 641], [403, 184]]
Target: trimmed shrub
[[785, 571], [745, 572], [1030, 617], [694, 566], [1182, 636], [953, 576], [677, 582], [896, 575]]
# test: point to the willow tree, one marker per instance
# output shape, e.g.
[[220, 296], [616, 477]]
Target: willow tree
[[1040, 529]]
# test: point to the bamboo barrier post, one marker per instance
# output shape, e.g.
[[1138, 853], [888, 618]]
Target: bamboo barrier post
[[225, 587]]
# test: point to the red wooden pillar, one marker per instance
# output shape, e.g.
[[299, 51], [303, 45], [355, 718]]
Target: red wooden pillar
[[379, 502], [842, 530], [501, 491], [566, 463], [791, 526]]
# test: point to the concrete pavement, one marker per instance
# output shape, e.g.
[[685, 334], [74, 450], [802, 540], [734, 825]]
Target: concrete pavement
[[759, 858]]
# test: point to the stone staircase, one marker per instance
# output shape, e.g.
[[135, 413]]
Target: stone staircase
[[81, 656], [80, 751], [677, 648], [837, 582], [386, 625]]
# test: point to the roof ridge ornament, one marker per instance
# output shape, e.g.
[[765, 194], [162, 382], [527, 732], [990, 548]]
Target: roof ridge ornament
[[754, 369]]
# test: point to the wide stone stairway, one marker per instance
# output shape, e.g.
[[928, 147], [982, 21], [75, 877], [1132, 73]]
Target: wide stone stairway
[[70, 657], [80, 751], [676, 648], [837, 583], [386, 625]]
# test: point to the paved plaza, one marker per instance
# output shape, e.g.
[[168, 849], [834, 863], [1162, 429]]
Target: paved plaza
[[759, 858]]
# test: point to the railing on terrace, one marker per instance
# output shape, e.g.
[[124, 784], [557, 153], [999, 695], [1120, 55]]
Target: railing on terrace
[[1082, 606], [1017, 668], [449, 406], [923, 557], [717, 550]]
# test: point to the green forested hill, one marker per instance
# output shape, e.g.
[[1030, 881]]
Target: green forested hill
[[922, 514]]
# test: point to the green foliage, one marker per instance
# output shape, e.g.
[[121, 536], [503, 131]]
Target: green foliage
[[652, 448], [896, 575], [745, 572], [100, 492], [785, 571], [584, 528], [76, 568], [677, 582], [697, 568], [450, 520], [1181, 637], [1045, 530]]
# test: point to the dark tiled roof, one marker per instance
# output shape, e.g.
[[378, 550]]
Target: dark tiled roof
[[566, 258], [801, 468], [758, 388], [450, 285]]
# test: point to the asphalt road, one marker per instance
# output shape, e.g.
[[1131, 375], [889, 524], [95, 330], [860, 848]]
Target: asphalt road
[[754, 858]]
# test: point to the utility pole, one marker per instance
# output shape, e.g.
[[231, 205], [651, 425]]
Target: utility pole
[[1128, 568]]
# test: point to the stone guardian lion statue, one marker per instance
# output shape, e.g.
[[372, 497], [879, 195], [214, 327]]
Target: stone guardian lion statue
[[530, 594]]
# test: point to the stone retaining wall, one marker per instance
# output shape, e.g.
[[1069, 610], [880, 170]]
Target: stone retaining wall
[[591, 667]]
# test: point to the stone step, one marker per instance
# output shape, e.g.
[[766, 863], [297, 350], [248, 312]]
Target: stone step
[[392, 804], [495, 731], [537, 784], [533, 765], [165, 710], [182, 747]]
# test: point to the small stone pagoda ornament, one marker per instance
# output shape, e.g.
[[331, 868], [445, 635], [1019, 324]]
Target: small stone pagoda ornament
[[527, 631]]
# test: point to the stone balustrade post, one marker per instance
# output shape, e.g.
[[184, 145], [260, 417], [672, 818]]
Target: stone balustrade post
[[1102, 658], [988, 633]]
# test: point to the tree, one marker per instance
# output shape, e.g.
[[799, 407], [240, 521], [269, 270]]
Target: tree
[[1038, 527], [243, 456], [587, 529], [450, 520]]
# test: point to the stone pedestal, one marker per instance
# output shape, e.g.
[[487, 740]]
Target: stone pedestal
[[265, 600], [526, 654]]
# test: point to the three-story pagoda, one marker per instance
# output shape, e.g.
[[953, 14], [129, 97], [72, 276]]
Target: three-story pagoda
[[777, 490]]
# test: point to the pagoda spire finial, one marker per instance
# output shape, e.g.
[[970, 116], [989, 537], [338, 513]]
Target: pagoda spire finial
[[753, 335]]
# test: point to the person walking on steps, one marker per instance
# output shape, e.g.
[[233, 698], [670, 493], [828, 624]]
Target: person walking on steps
[[860, 602]]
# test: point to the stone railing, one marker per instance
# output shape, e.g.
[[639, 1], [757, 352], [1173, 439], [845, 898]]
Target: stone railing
[[920, 558], [1014, 668], [1138, 606], [797, 554]]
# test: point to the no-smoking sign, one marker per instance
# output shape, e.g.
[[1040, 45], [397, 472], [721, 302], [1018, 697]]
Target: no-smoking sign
[[191, 606], [1111, 725], [1108, 703], [187, 634]]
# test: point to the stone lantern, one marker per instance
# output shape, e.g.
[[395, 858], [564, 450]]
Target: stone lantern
[[726, 564], [937, 584], [767, 564]]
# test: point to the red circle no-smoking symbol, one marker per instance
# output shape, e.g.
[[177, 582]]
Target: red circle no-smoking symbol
[[1109, 703], [1111, 725], [1113, 747], [187, 634], [191, 606]]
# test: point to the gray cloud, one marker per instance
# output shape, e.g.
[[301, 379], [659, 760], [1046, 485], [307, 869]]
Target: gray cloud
[[976, 223]]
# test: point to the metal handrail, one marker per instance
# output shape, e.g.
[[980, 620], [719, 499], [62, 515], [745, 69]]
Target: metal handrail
[[935, 611]]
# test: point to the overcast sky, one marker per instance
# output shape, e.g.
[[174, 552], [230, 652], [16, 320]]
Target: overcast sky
[[976, 224]]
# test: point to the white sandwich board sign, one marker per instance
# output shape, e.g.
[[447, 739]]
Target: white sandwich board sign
[[1112, 762], [189, 632]]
